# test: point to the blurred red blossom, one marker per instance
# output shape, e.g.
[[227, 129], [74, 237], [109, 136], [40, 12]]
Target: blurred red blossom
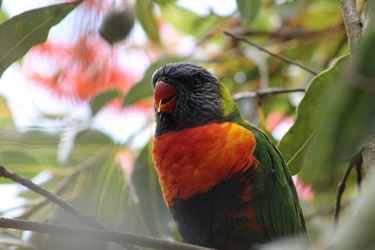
[[304, 190], [79, 71], [81, 67], [274, 119]]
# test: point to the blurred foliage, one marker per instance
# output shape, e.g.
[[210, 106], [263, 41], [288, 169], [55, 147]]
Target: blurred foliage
[[145, 15], [248, 10], [28, 29], [116, 183], [145, 186]]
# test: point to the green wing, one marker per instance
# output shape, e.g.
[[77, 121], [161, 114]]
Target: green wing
[[274, 195]]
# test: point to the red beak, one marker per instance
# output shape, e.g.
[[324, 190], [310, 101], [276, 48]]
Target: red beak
[[165, 97]]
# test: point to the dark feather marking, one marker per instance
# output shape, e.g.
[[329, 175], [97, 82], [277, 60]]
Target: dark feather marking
[[273, 168]]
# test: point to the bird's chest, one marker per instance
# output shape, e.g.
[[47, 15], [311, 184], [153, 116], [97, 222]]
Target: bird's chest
[[192, 161]]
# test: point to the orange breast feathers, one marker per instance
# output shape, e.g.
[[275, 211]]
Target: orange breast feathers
[[193, 160]]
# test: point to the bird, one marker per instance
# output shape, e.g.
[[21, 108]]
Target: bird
[[224, 181]]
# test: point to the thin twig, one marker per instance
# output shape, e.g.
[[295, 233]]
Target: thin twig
[[357, 160], [264, 92], [368, 152], [271, 53], [340, 191], [82, 217], [97, 235], [359, 176]]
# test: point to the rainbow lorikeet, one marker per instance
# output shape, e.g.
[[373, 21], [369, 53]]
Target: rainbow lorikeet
[[225, 182]]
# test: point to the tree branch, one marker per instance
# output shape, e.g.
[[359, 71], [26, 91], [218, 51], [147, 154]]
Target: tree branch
[[97, 235], [264, 92], [368, 152], [271, 53], [353, 23]]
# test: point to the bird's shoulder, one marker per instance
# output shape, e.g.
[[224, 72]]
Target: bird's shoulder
[[274, 195]]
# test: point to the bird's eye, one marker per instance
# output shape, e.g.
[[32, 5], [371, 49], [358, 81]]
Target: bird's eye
[[196, 82]]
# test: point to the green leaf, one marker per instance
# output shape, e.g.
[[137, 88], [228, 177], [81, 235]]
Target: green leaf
[[147, 191], [365, 61], [190, 22], [369, 16], [287, 10], [181, 18], [101, 99], [143, 88], [296, 142], [145, 15], [28, 29], [326, 11], [351, 109], [248, 10]]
